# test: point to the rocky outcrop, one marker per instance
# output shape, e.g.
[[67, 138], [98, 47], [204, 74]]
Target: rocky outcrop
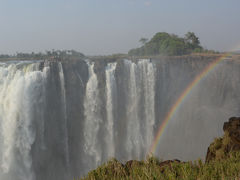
[[230, 142], [162, 165], [233, 129]]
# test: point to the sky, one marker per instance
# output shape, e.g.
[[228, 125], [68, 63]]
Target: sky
[[103, 27]]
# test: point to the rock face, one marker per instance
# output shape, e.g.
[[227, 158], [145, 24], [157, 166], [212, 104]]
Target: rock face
[[230, 142], [233, 129]]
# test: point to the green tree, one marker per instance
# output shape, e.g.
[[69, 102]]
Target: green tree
[[143, 41], [192, 39], [168, 44]]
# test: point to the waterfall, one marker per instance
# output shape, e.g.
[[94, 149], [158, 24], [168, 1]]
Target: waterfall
[[59, 120], [64, 105], [148, 73], [21, 92], [92, 119], [134, 140], [110, 94]]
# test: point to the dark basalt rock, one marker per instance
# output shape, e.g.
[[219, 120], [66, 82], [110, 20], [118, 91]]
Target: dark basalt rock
[[230, 142], [233, 129]]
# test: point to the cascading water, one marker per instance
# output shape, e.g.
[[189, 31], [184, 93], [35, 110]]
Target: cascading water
[[92, 119], [22, 97], [110, 101], [148, 78], [134, 137], [141, 89], [59, 120], [63, 95]]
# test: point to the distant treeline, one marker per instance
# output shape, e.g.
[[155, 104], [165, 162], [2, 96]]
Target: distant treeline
[[163, 43], [53, 54]]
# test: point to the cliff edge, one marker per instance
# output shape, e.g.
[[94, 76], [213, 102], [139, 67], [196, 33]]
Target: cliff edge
[[230, 142]]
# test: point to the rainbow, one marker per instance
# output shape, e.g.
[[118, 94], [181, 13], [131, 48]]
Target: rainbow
[[181, 99]]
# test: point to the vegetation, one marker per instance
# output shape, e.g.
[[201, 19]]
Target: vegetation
[[53, 54], [152, 169], [143, 40], [222, 162], [163, 43]]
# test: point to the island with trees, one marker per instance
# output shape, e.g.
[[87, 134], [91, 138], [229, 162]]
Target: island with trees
[[163, 43]]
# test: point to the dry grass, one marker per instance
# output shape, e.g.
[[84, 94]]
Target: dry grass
[[228, 168]]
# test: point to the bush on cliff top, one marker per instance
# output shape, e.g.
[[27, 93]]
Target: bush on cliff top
[[218, 169]]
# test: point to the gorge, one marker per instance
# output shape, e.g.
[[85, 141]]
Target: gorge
[[60, 119]]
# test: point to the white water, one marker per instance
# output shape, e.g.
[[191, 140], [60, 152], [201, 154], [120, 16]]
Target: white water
[[64, 105], [23, 96], [140, 129], [67, 118], [92, 119], [21, 92], [134, 140], [110, 90], [148, 73]]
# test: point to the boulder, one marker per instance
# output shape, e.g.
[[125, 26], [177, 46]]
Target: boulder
[[230, 142]]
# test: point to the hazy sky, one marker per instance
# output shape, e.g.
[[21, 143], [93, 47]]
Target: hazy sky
[[114, 26]]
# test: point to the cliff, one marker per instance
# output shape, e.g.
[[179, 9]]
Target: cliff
[[230, 142], [66, 117]]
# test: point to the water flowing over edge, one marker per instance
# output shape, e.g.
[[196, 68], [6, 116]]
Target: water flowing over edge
[[118, 105]]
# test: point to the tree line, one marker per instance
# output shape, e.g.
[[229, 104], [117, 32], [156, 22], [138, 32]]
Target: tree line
[[163, 43], [53, 54]]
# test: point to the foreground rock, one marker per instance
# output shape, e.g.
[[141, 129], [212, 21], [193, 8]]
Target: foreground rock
[[230, 142]]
